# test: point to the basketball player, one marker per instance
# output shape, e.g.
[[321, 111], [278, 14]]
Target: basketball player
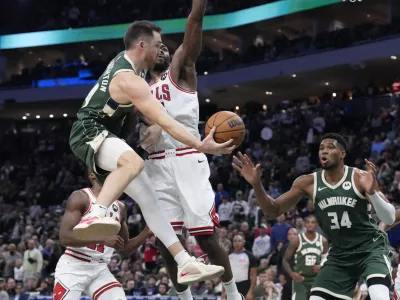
[[95, 139], [308, 249], [178, 172], [341, 195], [83, 267], [385, 227]]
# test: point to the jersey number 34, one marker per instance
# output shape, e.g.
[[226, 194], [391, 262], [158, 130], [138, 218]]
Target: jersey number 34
[[344, 221]]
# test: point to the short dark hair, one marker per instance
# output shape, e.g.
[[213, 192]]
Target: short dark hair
[[335, 136], [139, 29]]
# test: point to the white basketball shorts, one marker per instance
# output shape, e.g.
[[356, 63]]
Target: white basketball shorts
[[73, 277], [180, 178]]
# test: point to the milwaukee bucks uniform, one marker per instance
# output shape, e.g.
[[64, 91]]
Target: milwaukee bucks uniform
[[307, 255], [100, 116], [358, 248]]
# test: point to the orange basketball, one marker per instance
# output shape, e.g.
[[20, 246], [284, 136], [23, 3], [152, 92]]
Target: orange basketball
[[228, 126]]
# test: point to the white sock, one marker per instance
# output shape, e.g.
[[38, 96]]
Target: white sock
[[99, 210], [143, 193], [378, 292], [185, 295], [182, 257], [232, 292]]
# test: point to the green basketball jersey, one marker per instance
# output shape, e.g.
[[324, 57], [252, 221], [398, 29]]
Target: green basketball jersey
[[308, 254], [343, 213], [99, 111]]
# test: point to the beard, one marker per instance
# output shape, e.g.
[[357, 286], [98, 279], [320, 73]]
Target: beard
[[161, 66]]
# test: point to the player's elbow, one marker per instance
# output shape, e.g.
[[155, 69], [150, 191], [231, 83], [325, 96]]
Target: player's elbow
[[63, 240]]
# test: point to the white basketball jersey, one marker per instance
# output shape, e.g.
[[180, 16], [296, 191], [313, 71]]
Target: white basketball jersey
[[99, 252], [182, 105]]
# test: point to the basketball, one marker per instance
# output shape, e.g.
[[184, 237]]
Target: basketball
[[228, 126]]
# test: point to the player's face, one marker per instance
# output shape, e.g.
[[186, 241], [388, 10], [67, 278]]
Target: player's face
[[311, 224], [330, 154], [152, 50], [163, 59]]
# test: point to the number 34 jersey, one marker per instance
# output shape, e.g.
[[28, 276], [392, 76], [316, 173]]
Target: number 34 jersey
[[343, 213], [96, 252]]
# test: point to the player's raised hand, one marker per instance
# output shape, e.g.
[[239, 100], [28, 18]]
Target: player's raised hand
[[371, 167], [209, 146], [245, 166], [367, 178], [115, 242]]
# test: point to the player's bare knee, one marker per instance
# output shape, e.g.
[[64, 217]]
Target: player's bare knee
[[131, 160]]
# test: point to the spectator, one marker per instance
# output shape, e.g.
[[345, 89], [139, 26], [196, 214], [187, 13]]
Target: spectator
[[308, 210], [131, 289], [18, 270], [261, 245], [33, 261], [209, 286], [3, 293], [220, 192], [44, 289], [151, 286], [10, 258], [244, 267], [279, 231], [20, 293], [240, 209], [377, 145], [300, 225], [11, 287], [225, 212], [162, 290]]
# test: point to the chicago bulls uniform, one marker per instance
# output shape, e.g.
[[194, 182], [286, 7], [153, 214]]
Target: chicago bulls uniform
[[179, 173], [85, 269]]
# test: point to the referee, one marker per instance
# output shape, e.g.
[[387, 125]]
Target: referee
[[244, 268]]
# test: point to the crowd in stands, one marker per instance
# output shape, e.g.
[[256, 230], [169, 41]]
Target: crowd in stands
[[42, 15], [38, 172], [261, 50]]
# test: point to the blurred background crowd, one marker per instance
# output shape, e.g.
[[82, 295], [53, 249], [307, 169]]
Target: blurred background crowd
[[285, 115]]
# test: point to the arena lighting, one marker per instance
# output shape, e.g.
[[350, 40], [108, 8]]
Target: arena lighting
[[393, 57], [24, 117], [65, 115], [205, 73], [265, 107], [27, 114], [51, 116], [334, 94], [294, 75], [237, 107], [207, 100], [327, 83], [37, 117], [268, 93]]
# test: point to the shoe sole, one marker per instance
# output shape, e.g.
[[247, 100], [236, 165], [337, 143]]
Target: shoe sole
[[98, 231], [195, 278]]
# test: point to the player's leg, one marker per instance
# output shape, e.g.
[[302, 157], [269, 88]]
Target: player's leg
[[192, 174], [334, 280], [301, 291], [396, 292], [376, 269], [117, 157], [70, 279], [104, 286]]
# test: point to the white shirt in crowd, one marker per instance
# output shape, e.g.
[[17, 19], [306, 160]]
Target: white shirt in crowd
[[261, 246], [19, 273], [225, 211], [241, 206]]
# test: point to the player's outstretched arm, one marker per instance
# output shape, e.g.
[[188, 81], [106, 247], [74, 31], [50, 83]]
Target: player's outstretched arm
[[184, 59], [130, 245], [289, 253], [369, 187], [272, 208], [384, 227], [127, 85], [76, 205]]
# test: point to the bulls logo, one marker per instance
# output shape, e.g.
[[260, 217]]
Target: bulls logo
[[164, 76], [234, 123], [115, 208]]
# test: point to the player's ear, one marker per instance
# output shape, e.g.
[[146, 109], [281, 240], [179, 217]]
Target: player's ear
[[343, 155], [142, 44]]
